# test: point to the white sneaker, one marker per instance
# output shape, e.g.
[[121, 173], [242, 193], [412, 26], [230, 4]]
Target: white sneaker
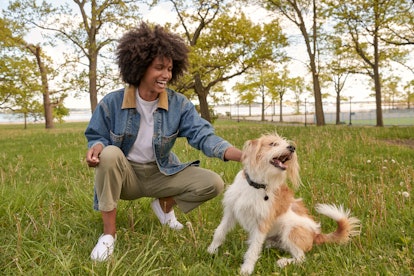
[[166, 218], [103, 248]]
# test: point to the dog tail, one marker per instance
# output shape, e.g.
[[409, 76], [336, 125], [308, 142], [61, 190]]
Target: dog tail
[[347, 226]]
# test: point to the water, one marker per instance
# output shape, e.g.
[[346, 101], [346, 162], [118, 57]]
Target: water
[[359, 111], [75, 115]]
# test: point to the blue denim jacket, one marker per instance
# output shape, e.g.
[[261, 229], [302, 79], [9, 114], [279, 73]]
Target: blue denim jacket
[[116, 121]]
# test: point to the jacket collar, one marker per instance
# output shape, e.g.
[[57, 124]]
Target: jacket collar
[[130, 100]]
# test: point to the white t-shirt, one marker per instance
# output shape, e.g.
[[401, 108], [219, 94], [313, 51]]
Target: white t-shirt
[[141, 151]]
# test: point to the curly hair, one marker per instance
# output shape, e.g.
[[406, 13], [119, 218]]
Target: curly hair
[[140, 46]]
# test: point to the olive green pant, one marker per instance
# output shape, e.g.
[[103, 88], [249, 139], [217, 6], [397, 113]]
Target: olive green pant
[[118, 178]]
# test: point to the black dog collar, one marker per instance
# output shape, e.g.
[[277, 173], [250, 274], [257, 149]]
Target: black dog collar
[[255, 184]]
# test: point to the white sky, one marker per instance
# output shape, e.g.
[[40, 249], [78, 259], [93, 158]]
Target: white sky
[[161, 14], [357, 86]]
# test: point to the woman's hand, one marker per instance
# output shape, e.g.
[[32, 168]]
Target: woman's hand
[[92, 155]]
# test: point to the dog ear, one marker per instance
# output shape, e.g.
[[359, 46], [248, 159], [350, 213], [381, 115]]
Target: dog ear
[[245, 150], [250, 149], [293, 171]]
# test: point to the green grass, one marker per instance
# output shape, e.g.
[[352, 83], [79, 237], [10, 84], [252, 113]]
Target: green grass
[[48, 226], [402, 121]]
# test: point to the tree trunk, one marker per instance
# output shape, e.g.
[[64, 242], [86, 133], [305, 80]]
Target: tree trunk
[[263, 105], [377, 83], [280, 109], [93, 55], [202, 97], [47, 106], [93, 92], [25, 120], [338, 108], [320, 119]]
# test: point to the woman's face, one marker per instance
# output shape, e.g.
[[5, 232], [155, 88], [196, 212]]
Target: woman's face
[[156, 77]]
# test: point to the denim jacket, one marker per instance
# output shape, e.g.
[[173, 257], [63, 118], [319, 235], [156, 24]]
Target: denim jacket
[[116, 121]]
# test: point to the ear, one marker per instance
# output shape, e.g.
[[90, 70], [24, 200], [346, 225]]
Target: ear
[[293, 171], [246, 149], [249, 151]]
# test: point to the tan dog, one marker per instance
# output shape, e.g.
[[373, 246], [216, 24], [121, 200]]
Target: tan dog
[[262, 203]]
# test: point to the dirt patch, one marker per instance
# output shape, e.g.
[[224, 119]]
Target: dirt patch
[[401, 142]]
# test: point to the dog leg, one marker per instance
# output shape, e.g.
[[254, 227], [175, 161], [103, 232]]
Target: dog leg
[[298, 255], [256, 241], [227, 223]]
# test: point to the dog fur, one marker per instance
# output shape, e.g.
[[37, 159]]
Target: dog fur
[[270, 213]]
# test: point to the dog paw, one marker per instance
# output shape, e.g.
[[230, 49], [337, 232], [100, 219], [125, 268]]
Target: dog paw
[[282, 262], [212, 249], [246, 269]]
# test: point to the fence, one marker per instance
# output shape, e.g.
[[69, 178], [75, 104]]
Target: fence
[[352, 113]]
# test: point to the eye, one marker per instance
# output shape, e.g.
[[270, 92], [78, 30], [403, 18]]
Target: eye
[[273, 144]]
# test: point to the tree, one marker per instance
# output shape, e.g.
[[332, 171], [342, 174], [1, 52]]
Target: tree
[[223, 46], [19, 76], [391, 90], [89, 30], [298, 12], [337, 68], [400, 31], [265, 82], [298, 86], [248, 91], [278, 84], [409, 93], [252, 87], [15, 40], [48, 103], [19, 86], [362, 22]]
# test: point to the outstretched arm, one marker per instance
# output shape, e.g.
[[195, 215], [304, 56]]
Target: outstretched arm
[[233, 154]]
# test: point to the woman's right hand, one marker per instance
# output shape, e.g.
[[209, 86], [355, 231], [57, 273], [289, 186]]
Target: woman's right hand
[[92, 155]]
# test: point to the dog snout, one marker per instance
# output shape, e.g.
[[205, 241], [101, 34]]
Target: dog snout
[[291, 148]]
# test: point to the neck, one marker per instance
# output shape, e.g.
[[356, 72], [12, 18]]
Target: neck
[[254, 184], [147, 95]]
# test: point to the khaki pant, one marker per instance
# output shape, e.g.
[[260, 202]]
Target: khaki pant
[[118, 178]]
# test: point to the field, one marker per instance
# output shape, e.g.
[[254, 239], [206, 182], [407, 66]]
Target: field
[[48, 226]]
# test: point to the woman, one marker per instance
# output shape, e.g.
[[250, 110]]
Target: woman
[[132, 131]]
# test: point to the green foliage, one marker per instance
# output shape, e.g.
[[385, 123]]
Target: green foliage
[[49, 227], [19, 77], [90, 28], [225, 43], [59, 112]]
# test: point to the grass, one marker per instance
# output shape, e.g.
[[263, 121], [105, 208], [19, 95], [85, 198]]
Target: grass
[[401, 121], [48, 226]]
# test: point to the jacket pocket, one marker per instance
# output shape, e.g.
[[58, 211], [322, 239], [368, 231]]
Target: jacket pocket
[[116, 139], [167, 142]]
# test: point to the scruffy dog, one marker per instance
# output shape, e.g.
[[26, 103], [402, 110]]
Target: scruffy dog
[[262, 203]]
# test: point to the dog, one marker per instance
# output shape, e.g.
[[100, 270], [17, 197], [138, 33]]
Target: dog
[[261, 201]]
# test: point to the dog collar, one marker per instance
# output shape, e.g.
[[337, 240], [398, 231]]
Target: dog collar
[[255, 184]]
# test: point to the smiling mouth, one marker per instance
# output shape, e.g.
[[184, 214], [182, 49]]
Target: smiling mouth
[[162, 83], [279, 162]]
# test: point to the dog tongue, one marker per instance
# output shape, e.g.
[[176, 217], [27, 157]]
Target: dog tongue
[[279, 164]]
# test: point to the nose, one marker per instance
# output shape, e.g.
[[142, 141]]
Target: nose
[[167, 74], [291, 148]]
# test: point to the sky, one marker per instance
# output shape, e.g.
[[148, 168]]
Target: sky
[[160, 14], [356, 87]]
